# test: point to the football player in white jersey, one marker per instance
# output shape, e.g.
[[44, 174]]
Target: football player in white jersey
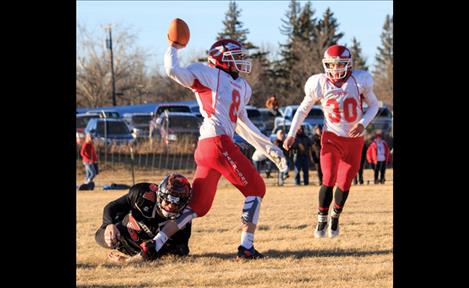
[[341, 92], [222, 96]]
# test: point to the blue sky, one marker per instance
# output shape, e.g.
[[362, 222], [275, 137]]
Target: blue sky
[[149, 21]]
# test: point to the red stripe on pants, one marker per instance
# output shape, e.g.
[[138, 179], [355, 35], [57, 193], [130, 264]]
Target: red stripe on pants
[[218, 156]]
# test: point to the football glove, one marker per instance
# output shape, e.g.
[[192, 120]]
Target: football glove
[[148, 251], [278, 158]]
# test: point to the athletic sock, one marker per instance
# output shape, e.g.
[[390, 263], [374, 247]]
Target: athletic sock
[[247, 239]]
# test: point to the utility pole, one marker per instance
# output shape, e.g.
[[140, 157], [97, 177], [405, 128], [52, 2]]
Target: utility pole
[[109, 46]]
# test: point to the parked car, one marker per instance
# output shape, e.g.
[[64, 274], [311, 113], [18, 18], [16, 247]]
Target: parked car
[[268, 117], [171, 108], [175, 126], [315, 116], [256, 118], [139, 124], [382, 120], [81, 122], [196, 110], [110, 131], [106, 113]]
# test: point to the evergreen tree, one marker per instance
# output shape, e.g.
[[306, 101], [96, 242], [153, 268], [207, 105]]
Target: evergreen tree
[[385, 52], [359, 62], [233, 27], [326, 35], [292, 70], [383, 69], [302, 45], [260, 75], [287, 59]]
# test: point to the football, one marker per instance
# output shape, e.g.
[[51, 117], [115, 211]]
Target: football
[[178, 32]]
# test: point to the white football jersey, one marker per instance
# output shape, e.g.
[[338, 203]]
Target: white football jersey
[[342, 106], [220, 97]]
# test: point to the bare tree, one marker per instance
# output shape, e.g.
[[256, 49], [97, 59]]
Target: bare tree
[[383, 70], [93, 79]]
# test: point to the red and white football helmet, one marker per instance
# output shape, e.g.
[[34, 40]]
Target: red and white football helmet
[[230, 56], [337, 63]]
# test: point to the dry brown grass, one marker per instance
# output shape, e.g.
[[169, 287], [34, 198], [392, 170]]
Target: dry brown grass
[[362, 256]]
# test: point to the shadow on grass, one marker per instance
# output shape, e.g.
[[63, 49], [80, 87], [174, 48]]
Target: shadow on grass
[[114, 286], [299, 254], [110, 265]]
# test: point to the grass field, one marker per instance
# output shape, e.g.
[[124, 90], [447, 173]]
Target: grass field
[[362, 256]]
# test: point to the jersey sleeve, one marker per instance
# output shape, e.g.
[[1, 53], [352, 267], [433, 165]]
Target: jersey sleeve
[[179, 74], [366, 82], [205, 76], [312, 95], [116, 210], [248, 93]]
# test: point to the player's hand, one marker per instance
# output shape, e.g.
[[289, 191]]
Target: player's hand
[[177, 46], [288, 142], [114, 257], [148, 251], [357, 130], [110, 235], [117, 258]]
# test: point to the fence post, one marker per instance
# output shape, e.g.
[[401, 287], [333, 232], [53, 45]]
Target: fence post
[[112, 157], [153, 161], [132, 163]]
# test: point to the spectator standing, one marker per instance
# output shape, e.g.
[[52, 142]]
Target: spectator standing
[[272, 104], [316, 147], [301, 156], [279, 142], [378, 156], [90, 159], [359, 177]]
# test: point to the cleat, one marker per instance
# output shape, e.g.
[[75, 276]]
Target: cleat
[[244, 253], [333, 229], [320, 231]]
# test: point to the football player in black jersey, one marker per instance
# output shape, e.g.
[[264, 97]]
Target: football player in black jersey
[[131, 222]]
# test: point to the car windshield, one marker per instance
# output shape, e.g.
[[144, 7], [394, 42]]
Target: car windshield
[[185, 109], [253, 113], [184, 122], [141, 119], [108, 114], [383, 112], [314, 113], [113, 128], [83, 121]]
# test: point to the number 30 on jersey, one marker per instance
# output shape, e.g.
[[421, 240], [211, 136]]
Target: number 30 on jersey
[[349, 109]]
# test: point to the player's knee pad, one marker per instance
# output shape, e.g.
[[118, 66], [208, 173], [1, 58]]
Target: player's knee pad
[[186, 216], [251, 209]]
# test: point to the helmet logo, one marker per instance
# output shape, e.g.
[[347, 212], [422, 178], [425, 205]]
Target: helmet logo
[[232, 46], [219, 50], [345, 54]]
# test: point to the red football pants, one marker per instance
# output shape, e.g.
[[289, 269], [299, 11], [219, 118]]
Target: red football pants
[[218, 156], [340, 159]]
